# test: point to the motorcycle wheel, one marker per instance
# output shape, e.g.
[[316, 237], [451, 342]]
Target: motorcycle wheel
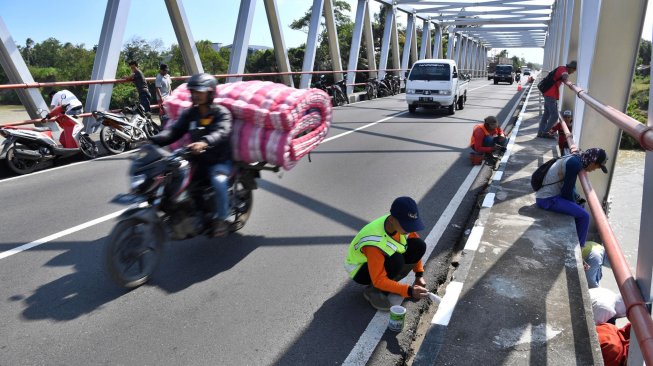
[[369, 91], [242, 207], [18, 165], [88, 147], [339, 98], [111, 141], [133, 251], [151, 128]]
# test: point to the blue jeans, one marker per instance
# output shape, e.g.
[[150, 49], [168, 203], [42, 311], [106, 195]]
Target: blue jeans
[[219, 175], [490, 141], [563, 206], [595, 260], [550, 115]]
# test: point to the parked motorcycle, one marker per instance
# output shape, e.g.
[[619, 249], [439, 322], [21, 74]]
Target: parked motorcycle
[[32, 148], [169, 205], [119, 132], [338, 96]]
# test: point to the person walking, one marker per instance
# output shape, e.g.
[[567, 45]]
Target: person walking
[[138, 78], [551, 96], [385, 251], [557, 193], [162, 85]]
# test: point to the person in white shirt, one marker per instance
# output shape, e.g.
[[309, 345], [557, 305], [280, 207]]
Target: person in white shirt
[[72, 106], [162, 84]]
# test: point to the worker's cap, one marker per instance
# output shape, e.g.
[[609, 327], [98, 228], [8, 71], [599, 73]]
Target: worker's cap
[[163, 67], [404, 209], [572, 65], [596, 155], [567, 113]]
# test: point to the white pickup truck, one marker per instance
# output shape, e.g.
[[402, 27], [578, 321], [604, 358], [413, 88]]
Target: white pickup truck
[[436, 83]]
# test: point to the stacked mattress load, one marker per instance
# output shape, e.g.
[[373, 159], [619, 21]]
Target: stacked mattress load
[[272, 122]]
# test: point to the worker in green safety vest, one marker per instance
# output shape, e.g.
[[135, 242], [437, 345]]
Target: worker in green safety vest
[[385, 251]]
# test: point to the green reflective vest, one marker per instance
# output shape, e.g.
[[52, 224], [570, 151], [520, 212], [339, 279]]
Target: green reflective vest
[[373, 234]]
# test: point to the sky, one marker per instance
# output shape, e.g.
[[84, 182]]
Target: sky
[[80, 21]]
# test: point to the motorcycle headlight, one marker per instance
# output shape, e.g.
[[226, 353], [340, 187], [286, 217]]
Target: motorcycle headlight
[[410, 91], [137, 180]]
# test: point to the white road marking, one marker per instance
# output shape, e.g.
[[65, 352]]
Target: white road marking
[[58, 235], [364, 127]]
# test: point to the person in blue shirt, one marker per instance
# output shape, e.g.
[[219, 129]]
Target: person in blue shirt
[[558, 187]]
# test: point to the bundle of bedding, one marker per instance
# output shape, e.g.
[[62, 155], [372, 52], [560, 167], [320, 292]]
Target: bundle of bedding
[[272, 122]]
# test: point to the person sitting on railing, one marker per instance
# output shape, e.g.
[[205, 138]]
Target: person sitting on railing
[[567, 118], [385, 251], [488, 139], [70, 104], [558, 187]]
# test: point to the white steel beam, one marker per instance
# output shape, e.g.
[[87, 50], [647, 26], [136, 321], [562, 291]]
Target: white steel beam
[[332, 33], [413, 45], [184, 37], [278, 41], [18, 73], [385, 44], [450, 45], [410, 32], [240, 46], [311, 43], [394, 43], [356, 38], [426, 33], [437, 42], [369, 43], [107, 56]]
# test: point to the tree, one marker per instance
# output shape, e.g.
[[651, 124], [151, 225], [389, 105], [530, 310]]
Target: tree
[[644, 53]]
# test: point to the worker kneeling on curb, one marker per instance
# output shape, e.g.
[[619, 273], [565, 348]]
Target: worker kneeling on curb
[[385, 251]]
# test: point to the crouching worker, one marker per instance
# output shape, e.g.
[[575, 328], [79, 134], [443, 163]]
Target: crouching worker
[[385, 251], [488, 139], [209, 126]]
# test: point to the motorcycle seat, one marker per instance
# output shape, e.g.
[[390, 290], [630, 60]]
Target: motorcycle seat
[[30, 128], [115, 115]]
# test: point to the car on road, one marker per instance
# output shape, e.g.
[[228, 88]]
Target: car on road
[[527, 72], [504, 73], [436, 83]]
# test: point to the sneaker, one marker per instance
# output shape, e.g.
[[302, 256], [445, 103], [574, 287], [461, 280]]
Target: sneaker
[[546, 135], [220, 228], [377, 298]]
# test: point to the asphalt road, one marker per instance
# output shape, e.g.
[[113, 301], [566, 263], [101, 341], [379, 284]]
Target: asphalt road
[[273, 293]]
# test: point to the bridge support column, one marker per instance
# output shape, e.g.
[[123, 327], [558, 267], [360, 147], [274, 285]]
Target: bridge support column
[[426, 35], [450, 45], [18, 73], [311, 43], [184, 36], [356, 37], [605, 70], [332, 33], [413, 45], [107, 56], [394, 43], [387, 33], [240, 47], [437, 42], [410, 33], [570, 50], [278, 41]]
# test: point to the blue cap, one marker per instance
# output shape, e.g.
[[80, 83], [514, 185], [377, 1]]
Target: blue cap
[[404, 209]]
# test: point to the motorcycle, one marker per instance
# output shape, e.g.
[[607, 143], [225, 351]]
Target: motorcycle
[[118, 132], [32, 148], [338, 95], [169, 205]]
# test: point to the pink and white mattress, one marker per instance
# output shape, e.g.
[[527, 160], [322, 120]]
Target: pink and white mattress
[[272, 122]]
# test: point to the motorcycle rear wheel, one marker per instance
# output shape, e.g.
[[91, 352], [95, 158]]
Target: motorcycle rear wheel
[[151, 128], [88, 147], [18, 165], [242, 207], [112, 142], [133, 252]]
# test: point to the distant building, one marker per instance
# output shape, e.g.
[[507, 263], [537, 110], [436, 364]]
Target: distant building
[[251, 49]]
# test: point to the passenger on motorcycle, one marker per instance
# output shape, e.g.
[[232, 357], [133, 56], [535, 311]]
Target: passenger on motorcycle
[[209, 126], [71, 105]]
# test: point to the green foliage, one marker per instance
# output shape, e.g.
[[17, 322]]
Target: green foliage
[[637, 108], [644, 52]]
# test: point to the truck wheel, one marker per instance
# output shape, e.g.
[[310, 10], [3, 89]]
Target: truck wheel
[[461, 103], [452, 109], [412, 108]]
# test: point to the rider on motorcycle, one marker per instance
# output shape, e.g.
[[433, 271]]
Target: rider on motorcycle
[[209, 126]]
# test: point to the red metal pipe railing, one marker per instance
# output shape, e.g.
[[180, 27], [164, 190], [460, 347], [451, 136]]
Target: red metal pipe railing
[[641, 132], [636, 310]]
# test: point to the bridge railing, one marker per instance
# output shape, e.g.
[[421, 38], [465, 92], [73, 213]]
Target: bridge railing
[[636, 309]]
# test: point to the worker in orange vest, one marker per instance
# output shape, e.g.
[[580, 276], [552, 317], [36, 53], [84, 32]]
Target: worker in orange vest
[[488, 139]]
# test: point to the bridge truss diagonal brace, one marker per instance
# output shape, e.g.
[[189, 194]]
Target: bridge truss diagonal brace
[[311, 43], [410, 34], [426, 40], [357, 35], [332, 34], [240, 45], [278, 41], [437, 42], [17, 72], [184, 36], [387, 35], [107, 56]]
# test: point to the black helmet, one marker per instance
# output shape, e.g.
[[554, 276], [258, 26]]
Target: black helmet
[[202, 83]]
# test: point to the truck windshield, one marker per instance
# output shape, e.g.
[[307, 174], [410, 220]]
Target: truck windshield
[[430, 72]]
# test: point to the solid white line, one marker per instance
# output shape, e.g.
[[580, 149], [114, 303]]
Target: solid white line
[[363, 127], [62, 167], [368, 341], [449, 301], [58, 235]]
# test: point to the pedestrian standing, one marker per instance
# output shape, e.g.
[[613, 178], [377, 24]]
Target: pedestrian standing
[[551, 96], [138, 78]]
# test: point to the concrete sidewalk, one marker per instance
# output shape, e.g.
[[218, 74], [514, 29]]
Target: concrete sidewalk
[[519, 295]]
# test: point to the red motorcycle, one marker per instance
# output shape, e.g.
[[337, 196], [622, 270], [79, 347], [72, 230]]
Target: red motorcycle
[[31, 148]]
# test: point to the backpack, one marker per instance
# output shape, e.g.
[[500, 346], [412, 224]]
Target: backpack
[[538, 175], [548, 81]]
